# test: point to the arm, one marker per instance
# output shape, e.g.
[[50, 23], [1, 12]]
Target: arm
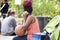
[[14, 23], [27, 23], [2, 7]]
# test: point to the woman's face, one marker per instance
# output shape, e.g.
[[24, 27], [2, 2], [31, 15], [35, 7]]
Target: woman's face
[[3, 1]]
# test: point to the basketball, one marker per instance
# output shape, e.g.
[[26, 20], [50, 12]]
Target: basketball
[[19, 30]]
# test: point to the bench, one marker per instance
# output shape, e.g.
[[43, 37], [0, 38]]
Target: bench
[[6, 37]]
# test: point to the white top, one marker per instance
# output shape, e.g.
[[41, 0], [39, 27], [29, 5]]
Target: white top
[[8, 25]]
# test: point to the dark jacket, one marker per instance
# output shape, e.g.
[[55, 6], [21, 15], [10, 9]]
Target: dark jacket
[[5, 8]]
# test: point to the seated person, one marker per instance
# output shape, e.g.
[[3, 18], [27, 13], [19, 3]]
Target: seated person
[[31, 23], [8, 24]]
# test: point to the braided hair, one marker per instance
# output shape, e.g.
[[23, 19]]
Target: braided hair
[[27, 5]]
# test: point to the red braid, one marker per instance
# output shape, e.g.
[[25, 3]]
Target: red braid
[[27, 6]]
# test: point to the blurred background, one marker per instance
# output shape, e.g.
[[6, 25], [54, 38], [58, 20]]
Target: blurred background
[[43, 9], [49, 8]]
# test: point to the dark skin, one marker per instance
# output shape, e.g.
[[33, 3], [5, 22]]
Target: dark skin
[[29, 19]]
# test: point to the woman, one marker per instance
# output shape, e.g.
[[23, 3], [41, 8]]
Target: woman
[[4, 8], [8, 24], [31, 24]]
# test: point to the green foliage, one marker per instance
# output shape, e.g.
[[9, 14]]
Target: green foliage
[[36, 7], [40, 7], [58, 12], [17, 8], [45, 8]]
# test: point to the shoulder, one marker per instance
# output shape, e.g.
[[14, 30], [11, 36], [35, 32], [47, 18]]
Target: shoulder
[[13, 19], [4, 20], [7, 4], [31, 16]]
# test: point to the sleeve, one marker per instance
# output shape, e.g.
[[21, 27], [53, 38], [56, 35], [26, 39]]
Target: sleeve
[[7, 5], [2, 6]]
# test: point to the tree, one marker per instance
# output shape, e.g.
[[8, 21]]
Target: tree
[[40, 7], [46, 7], [17, 8]]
